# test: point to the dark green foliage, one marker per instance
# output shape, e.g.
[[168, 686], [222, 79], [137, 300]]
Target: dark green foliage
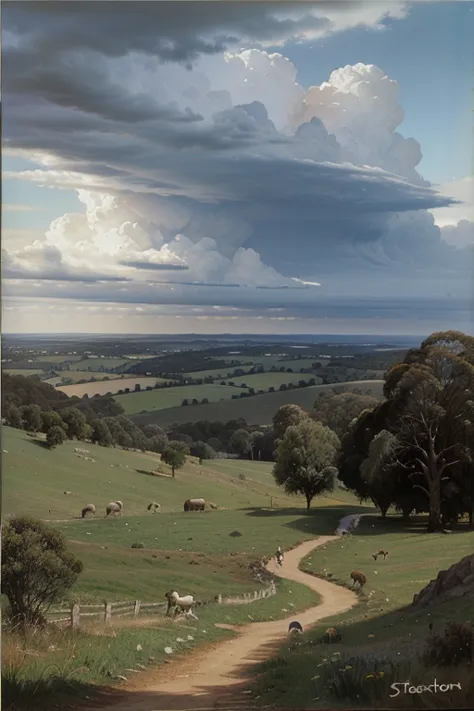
[[49, 419], [175, 458], [305, 459], [55, 436], [202, 451], [287, 416], [13, 417], [101, 434], [37, 569], [455, 646], [31, 417]]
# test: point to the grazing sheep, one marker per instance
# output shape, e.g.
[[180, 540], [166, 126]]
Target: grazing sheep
[[331, 635], [295, 628], [90, 508], [184, 604], [212, 506], [194, 505], [115, 507], [154, 507], [358, 577], [67, 493]]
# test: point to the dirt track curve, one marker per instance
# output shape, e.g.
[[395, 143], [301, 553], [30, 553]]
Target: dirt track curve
[[217, 678]]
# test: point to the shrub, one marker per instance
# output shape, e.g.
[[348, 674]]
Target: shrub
[[37, 569], [137, 545], [242, 477], [453, 647], [55, 436]]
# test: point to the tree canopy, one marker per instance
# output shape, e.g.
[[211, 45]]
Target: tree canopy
[[305, 459]]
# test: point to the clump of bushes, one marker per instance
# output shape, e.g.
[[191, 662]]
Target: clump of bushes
[[137, 545], [455, 646]]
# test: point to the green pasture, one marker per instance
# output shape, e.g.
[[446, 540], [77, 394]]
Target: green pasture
[[213, 532], [173, 397], [256, 410], [383, 624], [97, 363], [263, 381]]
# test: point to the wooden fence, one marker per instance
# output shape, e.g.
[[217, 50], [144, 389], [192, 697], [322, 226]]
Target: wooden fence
[[73, 614]]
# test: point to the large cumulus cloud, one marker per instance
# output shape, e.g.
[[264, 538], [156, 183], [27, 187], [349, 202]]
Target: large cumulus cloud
[[228, 183]]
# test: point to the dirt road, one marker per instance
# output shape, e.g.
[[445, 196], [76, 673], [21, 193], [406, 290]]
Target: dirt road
[[216, 679]]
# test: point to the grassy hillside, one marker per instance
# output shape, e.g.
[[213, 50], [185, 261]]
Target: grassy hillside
[[257, 410], [173, 397], [383, 624], [211, 532], [35, 478]]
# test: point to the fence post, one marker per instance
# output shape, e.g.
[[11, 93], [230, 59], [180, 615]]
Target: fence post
[[136, 608], [75, 616], [107, 611]]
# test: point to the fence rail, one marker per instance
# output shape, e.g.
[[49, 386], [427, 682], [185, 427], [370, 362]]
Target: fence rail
[[107, 610]]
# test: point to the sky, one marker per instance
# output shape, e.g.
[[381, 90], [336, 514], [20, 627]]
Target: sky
[[238, 167]]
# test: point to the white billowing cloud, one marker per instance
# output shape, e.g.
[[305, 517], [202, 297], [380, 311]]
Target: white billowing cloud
[[461, 191], [359, 105]]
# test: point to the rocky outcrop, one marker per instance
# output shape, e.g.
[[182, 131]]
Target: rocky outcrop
[[457, 581]]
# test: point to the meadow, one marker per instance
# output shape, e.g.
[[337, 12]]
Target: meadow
[[256, 410], [383, 625], [111, 385], [263, 381], [173, 397], [26, 372], [97, 363]]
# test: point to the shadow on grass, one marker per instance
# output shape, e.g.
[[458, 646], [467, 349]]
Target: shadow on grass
[[39, 443], [377, 526], [317, 521], [51, 693]]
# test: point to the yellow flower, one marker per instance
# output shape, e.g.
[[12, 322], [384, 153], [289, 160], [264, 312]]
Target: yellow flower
[[380, 675], [369, 676]]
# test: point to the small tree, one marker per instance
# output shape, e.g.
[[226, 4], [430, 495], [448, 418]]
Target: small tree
[[305, 458], [286, 416], [240, 442], [75, 422], [37, 569], [55, 436], [175, 458], [202, 451]]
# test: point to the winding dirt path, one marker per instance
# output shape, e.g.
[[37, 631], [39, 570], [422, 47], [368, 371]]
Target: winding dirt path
[[217, 678]]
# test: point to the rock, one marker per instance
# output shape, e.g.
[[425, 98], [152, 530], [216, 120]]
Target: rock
[[455, 582]]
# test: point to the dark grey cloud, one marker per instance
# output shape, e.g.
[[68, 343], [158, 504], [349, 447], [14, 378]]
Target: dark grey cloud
[[154, 267]]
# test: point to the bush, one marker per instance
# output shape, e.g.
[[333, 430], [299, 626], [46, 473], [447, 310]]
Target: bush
[[37, 569], [242, 477], [137, 545], [453, 647], [55, 436]]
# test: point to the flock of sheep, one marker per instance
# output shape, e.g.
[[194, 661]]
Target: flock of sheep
[[116, 507]]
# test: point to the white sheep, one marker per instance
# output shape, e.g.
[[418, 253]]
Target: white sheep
[[90, 508], [185, 604], [115, 507]]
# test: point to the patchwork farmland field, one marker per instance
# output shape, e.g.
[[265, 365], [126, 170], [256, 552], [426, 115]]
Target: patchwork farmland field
[[173, 397], [263, 381], [113, 385], [257, 410]]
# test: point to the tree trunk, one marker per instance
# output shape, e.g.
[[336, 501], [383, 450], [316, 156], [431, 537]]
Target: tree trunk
[[172, 472], [383, 511], [406, 514], [308, 502]]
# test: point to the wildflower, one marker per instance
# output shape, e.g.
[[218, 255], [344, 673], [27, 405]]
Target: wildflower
[[369, 676], [179, 639], [190, 637], [380, 675], [139, 647], [168, 650]]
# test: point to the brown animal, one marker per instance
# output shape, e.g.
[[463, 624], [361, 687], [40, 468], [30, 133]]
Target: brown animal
[[331, 635], [358, 577], [194, 505], [90, 508], [380, 552]]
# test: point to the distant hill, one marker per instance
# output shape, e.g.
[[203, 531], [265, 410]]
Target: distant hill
[[257, 410]]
